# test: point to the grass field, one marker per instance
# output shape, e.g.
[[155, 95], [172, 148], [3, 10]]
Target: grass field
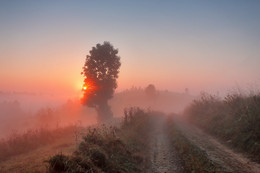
[[32, 157]]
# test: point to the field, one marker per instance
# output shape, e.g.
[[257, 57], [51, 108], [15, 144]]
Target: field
[[35, 150], [143, 141]]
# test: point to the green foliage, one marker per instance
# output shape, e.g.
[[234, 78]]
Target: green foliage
[[235, 119]]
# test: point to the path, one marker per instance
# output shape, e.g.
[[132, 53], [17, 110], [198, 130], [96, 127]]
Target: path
[[220, 155], [163, 156]]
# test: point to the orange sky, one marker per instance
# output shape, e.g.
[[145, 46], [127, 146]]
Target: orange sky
[[171, 45]]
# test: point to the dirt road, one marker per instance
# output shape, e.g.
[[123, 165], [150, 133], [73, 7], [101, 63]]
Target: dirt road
[[220, 155], [164, 157]]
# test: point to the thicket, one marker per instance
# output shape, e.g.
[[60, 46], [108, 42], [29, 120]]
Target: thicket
[[109, 149], [234, 119]]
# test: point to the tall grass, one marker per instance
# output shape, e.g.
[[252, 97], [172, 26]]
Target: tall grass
[[18, 143], [235, 119], [109, 149]]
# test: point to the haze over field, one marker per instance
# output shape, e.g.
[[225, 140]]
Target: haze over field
[[182, 48]]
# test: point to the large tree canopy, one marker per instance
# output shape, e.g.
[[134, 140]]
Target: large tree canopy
[[100, 71]]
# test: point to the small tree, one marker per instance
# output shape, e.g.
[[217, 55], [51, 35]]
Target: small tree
[[150, 91], [101, 71]]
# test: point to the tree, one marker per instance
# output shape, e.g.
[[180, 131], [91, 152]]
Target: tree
[[150, 91], [100, 71]]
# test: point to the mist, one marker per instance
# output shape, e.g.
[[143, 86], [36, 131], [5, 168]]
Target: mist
[[130, 86], [20, 111]]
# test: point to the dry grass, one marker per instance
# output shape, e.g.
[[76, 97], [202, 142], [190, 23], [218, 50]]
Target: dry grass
[[109, 149], [33, 160], [17, 144], [235, 119]]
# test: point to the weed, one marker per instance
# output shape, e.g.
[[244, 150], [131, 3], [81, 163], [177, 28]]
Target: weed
[[109, 149], [234, 119]]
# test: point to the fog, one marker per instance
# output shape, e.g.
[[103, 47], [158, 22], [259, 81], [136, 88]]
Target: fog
[[21, 111], [160, 100]]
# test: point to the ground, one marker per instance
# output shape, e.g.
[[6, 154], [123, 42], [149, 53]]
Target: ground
[[163, 156], [219, 154]]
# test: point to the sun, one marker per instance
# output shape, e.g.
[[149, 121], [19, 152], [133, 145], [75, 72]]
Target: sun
[[85, 87], [88, 87]]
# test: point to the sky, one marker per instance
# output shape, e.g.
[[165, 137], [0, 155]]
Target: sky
[[202, 45]]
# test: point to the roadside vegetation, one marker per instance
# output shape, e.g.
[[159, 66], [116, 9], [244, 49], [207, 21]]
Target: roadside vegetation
[[194, 158], [19, 143], [110, 148], [234, 119]]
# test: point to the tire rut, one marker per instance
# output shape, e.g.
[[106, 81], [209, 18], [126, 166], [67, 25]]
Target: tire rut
[[228, 160], [163, 156]]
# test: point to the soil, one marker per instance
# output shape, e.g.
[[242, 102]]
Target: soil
[[163, 157], [219, 154]]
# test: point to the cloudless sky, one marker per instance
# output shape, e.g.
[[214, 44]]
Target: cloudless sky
[[201, 45]]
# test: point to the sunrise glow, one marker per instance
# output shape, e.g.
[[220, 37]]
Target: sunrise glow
[[186, 51], [85, 87], [89, 78]]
